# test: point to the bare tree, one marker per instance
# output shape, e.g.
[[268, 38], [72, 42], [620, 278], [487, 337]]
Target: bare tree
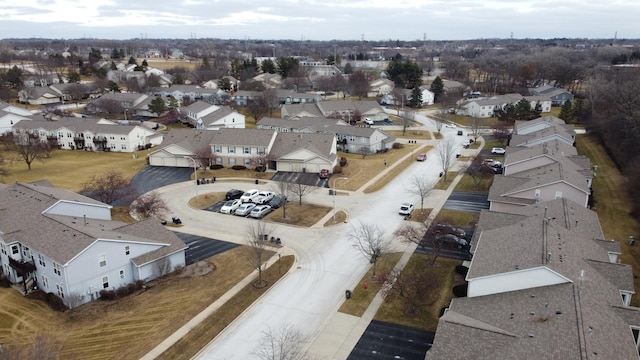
[[77, 92], [415, 285], [502, 133], [204, 156], [108, 187], [479, 170], [475, 128], [283, 188], [26, 148], [421, 186], [371, 241], [285, 343], [255, 249], [301, 189], [446, 151], [423, 235], [149, 205]]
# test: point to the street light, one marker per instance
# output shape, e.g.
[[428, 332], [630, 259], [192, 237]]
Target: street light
[[195, 171], [334, 196]]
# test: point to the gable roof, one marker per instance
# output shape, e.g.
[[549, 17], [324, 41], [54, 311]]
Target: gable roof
[[319, 144]]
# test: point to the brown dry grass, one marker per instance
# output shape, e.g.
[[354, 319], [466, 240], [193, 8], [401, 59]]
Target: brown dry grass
[[359, 171], [340, 217], [443, 184], [300, 215], [167, 305], [458, 218], [164, 64], [69, 169], [466, 183], [361, 297], [443, 273], [411, 134], [612, 204]]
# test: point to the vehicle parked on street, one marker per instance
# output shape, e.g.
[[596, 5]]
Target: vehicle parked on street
[[406, 209], [264, 197], [230, 206], [277, 201], [324, 174], [451, 239], [245, 209], [260, 211], [233, 194], [249, 195], [499, 151], [421, 157]]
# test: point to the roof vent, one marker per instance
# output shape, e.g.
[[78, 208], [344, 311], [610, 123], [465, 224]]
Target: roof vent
[[558, 312], [532, 313], [531, 336]]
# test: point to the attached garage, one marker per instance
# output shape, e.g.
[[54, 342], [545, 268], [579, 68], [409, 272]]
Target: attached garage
[[173, 156]]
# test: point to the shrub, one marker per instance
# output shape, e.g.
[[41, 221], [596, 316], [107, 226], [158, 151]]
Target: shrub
[[460, 290], [132, 287], [55, 302], [397, 145], [107, 294], [239, 167], [343, 161], [462, 270], [139, 284], [337, 169], [216, 166], [261, 168], [4, 281], [122, 291]]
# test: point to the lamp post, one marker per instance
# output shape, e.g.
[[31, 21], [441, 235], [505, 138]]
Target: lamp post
[[195, 171], [334, 196]]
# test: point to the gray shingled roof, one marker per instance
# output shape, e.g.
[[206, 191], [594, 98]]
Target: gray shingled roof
[[523, 140], [196, 107], [319, 144], [77, 125], [61, 238], [242, 137], [188, 139]]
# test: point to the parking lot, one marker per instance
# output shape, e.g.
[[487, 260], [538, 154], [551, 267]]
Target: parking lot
[[390, 341], [467, 201], [202, 248]]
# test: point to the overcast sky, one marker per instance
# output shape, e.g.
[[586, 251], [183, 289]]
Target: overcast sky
[[320, 20]]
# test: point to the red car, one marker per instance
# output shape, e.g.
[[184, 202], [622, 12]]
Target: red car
[[422, 157], [324, 174]]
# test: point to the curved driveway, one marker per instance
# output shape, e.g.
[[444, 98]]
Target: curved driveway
[[327, 264]]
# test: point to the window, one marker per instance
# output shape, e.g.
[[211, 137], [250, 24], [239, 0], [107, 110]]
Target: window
[[232, 150], [123, 147], [56, 268], [60, 290], [45, 282], [219, 161], [112, 137], [121, 274], [60, 134], [105, 282], [69, 135], [123, 138], [127, 250], [14, 249], [102, 259], [232, 161], [217, 149], [558, 194], [247, 162], [41, 260], [261, 150], [3, 248], [247, 150]]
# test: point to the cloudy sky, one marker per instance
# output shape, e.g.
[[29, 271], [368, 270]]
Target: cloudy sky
[[319, 19]]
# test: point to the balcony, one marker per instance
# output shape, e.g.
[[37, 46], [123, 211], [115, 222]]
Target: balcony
[[24, 267]]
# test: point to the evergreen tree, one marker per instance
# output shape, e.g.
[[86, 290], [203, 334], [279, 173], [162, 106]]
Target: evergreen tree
[[132, 61], [268, 66], [157, 106], [566, 112], [437, 88], [224, 84], [416, 97]]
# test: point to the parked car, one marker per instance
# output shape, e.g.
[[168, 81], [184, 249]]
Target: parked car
[[491, 162], [406, 209], [230, 206], [450, 126], [368, 121], [460, 133], [233, 194], [249, 195], [277, 201], [245, 209], [499, 151], [443, 228], [324, 174], [422, 157], [451, 240], [466, 143], [260, 211], [264, 197]]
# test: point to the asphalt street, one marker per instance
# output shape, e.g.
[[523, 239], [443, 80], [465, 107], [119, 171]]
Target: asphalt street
[[383, 340]]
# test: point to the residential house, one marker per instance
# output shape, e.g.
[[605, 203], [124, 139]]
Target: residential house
[[67, 91], [428, 97], [351, 110], [77, 250], [249, 147], [543, 283], [293, 97], [71, 133], [295, 111], [486, 107], [242, 97], [128, 101], [11, 115], [185, 93], [524, 158], [319, 69], [38, 96], [544, 122], [542, 183], [560, 133], [202, 115], [558, 96], [380, 87], [270, 81], [355, 139]]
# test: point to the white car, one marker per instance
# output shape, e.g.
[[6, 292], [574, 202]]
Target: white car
[[230, 206], [406, 209], [368, 121], [249, 195], [260, 211], [264, 197], [450, 126], [245, 209], [499, 151]]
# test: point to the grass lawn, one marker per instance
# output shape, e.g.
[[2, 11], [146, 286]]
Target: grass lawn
[[164, 64], [301, 215], [411, 134], [458, 218], [443, 274], [612, 204], [468, 184], [165, 306], [396, 170]]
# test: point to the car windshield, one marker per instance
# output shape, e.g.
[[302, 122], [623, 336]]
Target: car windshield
[[228, 203]]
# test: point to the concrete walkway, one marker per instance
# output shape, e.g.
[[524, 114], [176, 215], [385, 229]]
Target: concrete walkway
[[340, 333]]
